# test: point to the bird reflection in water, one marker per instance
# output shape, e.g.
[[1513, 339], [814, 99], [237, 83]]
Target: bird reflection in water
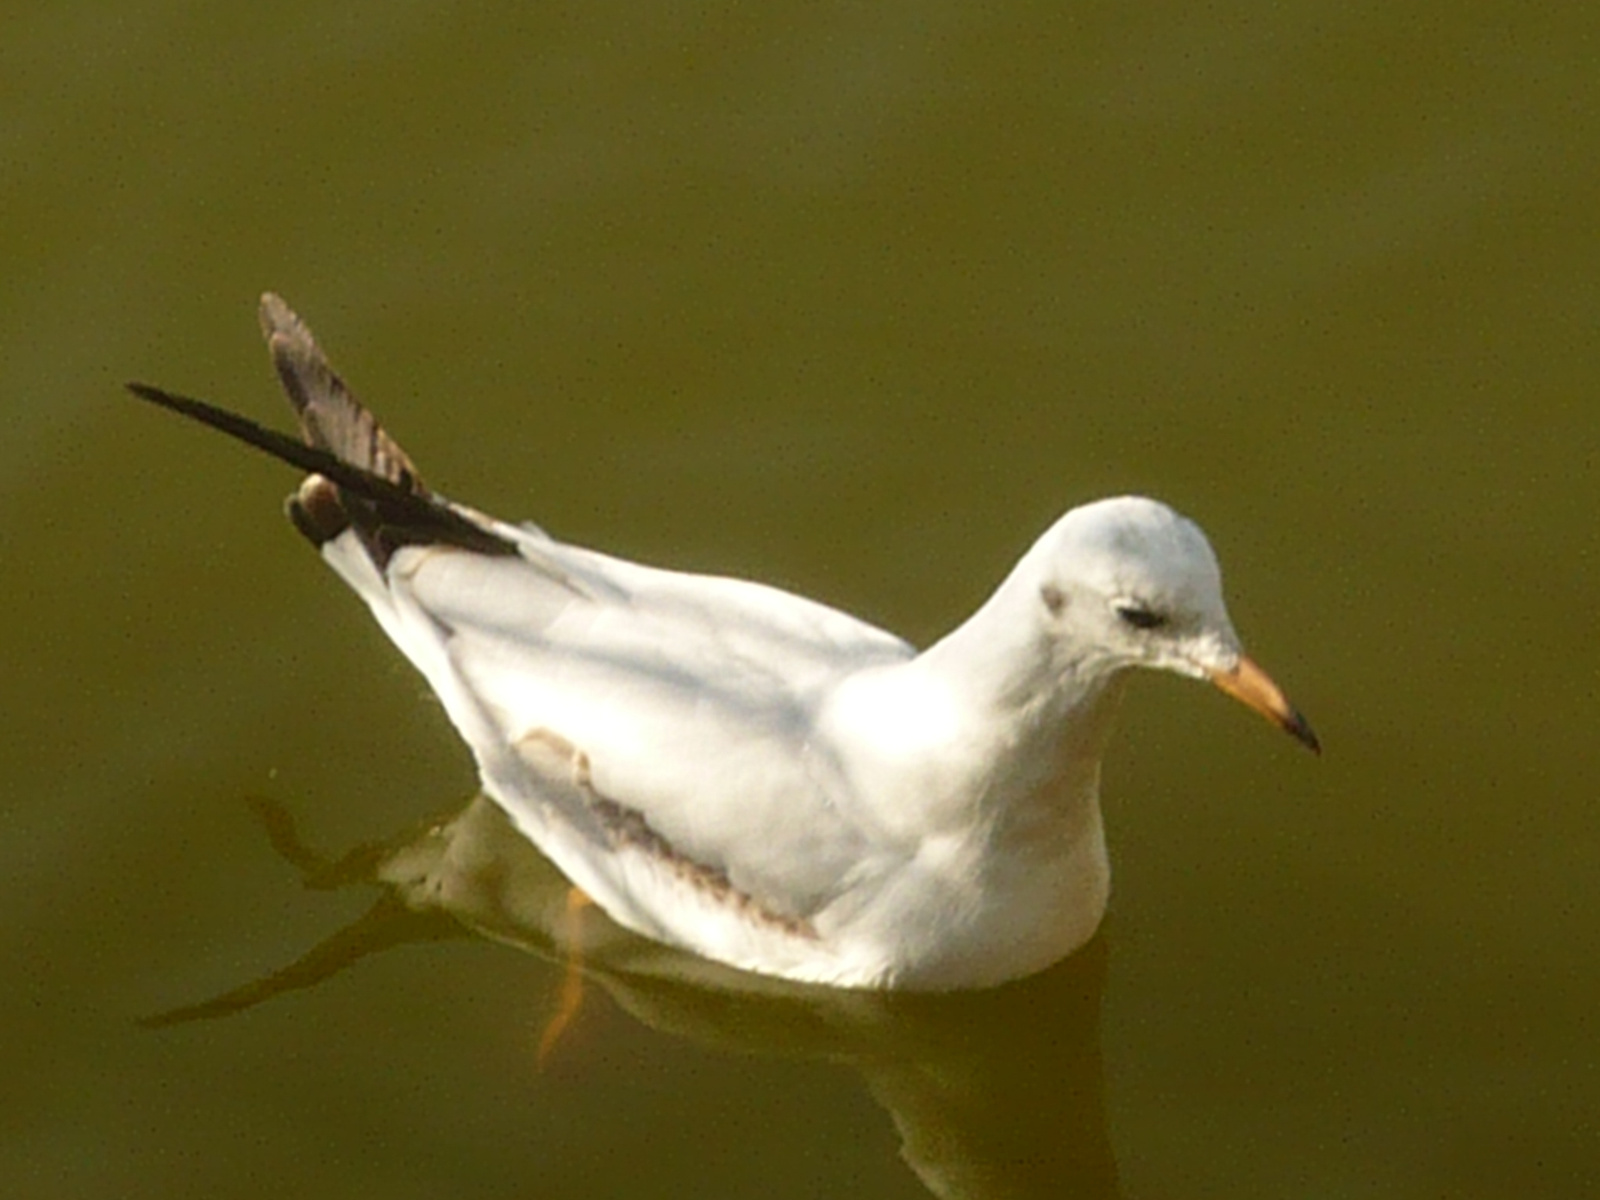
[[995, 1093]]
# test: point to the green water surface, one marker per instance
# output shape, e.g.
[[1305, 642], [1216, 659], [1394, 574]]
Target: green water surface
[[854, 299]]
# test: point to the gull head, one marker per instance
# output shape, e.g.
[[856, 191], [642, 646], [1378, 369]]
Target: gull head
[[1128, 582]]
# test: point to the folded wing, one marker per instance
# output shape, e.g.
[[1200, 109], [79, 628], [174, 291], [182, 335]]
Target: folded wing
[[636, 723]]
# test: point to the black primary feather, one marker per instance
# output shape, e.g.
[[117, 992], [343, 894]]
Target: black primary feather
[[360, 479], [397, 513]]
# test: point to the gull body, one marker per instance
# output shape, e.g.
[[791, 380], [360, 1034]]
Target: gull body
[[751, 775]]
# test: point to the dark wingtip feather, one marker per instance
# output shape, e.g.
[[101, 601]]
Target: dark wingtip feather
[[330, 415], [279, 445], [395, 514]]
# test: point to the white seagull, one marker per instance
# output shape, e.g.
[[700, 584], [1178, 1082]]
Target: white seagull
[[750, 775]]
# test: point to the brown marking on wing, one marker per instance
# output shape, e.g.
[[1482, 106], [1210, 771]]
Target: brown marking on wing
[[332, 419], [627, 827], [330, 415]]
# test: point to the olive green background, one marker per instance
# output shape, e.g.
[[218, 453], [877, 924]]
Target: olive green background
[[854, 299]]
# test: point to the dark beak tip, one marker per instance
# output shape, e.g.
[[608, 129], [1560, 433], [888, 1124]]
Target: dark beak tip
[[1302, 732]]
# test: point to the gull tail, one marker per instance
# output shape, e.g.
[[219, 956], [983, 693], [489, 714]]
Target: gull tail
[[359, 479]]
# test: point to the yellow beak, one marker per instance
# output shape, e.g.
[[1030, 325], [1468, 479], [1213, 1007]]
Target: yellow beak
[[1251, 685]]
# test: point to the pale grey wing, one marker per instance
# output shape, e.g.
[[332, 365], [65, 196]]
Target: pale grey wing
[[668, 719], [691, 700]]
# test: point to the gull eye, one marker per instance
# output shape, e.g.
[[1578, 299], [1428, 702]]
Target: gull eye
[[1140, 617]]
